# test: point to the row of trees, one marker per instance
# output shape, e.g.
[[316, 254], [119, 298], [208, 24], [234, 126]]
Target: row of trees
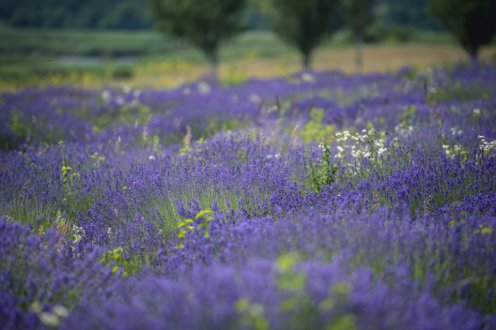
[[134, 14], [303, 25]]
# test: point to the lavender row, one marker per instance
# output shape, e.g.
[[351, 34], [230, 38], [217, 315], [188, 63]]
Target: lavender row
[[318, 200]]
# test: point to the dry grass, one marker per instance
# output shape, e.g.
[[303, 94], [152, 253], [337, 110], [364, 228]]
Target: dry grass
[[377, 58], [393, 57], [171, 73]]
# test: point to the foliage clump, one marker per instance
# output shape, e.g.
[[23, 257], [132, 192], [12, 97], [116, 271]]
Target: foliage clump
[[303, 24], [470, 22], [204, 24]]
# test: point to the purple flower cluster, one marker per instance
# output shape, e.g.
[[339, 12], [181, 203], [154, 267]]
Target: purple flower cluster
[[211, 207]]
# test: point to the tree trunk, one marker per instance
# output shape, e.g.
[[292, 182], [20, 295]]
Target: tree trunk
[[307, 61], [472, 51], [213, 63], [358, 57], [474, 56]]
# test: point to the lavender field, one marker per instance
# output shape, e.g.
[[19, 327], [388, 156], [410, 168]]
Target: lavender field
[[314, 201]]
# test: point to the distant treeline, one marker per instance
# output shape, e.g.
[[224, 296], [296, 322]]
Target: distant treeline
[[76, 14], [135, 14], [408, 13]]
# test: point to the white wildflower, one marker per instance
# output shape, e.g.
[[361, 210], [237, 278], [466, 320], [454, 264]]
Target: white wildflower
[[126, 89], [255, 99], [455, 131], [36, 307], [486, 146], [77, 233], [60, 311], [49, 319], [105, 95], [381, 151], [203, 87], [307, 77]]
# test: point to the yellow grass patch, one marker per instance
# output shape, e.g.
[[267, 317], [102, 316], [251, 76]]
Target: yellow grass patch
[[376, 58]]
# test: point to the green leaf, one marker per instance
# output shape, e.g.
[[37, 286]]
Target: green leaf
[[206, 212], [486, 230]]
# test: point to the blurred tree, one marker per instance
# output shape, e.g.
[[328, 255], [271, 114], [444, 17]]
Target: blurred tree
[[302, 24], [360, 16], [120, 14], [412, 13], [116, 14], [128, 15], [205, 24], [472, 22]]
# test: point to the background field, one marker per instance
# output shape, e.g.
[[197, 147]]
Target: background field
[[148, 59]]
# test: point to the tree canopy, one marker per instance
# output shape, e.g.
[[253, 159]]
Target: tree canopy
[[411, 13], [472, 22], [360, 16], [302, 24], [205, 24]]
